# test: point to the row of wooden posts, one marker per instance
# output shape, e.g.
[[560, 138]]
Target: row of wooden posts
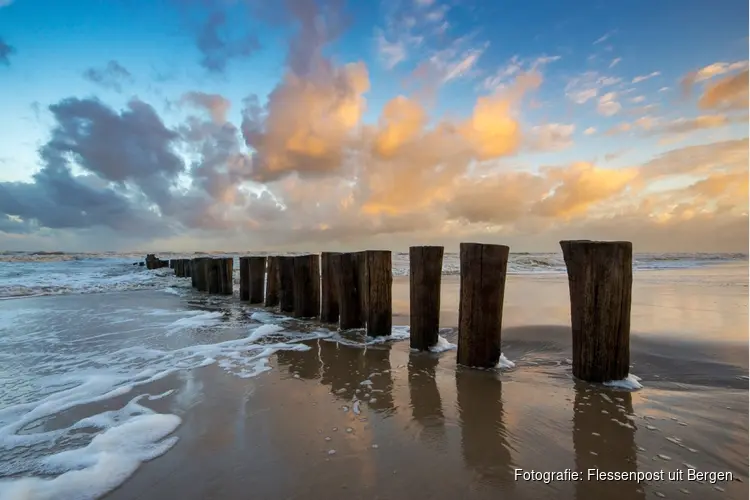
[[354, 290]]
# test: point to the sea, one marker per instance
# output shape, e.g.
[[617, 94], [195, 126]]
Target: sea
[[88, 339]]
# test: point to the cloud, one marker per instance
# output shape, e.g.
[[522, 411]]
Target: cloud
[[614, 62], [716, 69], [112, 76], [588, 85], [590, 131], [643, 78], [729, 93], [391, 53], [604, 37], [6, 51], [216, 105], [551, 137], [217, 48], [608, 104], [516, 65]]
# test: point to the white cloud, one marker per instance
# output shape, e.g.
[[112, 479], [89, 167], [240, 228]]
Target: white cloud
[[589, 131], [718, 68], [587, 86], [463, 66], [552, 136], [638, 99], [615, 61], [390, 53], [513, 67], [643, 78], [608, 104], [664, 89], [604, 37]]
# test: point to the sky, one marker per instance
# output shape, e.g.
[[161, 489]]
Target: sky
[[310, 125]]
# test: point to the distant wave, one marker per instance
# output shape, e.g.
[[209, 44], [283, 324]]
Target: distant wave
[[25, 274]]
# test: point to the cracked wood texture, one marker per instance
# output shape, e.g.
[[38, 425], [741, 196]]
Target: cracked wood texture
[[347, 281], [379, 276], [425, 275], [600, 280], [224, 267], [286, 284], [480, 311], [272, 282], [363, 285], [306, 286], [330, 263]]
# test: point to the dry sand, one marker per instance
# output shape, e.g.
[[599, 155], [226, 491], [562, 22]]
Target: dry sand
[[427, 429]]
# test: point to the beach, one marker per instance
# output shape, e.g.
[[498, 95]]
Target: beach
[[163, 392]]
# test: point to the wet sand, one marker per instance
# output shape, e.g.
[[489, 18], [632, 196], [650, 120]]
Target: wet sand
[[424, 428]]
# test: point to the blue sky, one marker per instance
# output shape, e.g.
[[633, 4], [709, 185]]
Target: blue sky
[[603, 65]]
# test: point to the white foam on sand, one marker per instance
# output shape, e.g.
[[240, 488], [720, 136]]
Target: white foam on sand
[[97, 452], [631, 383], [398, 333], [504, 363], [443, 345]]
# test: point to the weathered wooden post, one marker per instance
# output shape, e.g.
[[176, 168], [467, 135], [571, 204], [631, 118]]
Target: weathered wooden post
[[257, 269], [286, 283], [212, 275], [163, 263], [201, 270], [425, 276], [600, 280], [151, 261], [306, 286], [347, 281], [330, 263], [272, 282], [244, 279], [362, 284], [379, 293], [226, 281], [194, 273], [186, 268], [172, 263], [178, 268], [480, 312]]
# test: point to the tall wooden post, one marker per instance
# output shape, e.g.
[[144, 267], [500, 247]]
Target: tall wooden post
[[178, 268], [272, 282], [329, 304], [347, 281], [172, 263], [201, 269], [425, 276], [194, 273], [257, 266], [213, 279], [363, 285], [226, 281], [306, 286], [600, 280], [244, 279], [379, 293], [186, 268], [480, 312], [286, 283]]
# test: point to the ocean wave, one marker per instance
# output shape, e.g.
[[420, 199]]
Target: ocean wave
[[29, 274]]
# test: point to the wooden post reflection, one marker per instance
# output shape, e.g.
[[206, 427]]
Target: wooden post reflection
[[426, 404], [483, 435], [604, 439]]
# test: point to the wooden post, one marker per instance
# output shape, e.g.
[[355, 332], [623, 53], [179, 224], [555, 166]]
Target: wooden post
[[306, 286], [201, 269], [172, 263], [347, 281], [425, 275], [151, 261], [244, 279], [226, 281], [257, 278], [186, 268], [379, 293], [272, 282], [329, 304], [286, 283], [480, 312], [363, 285], [212, 275], [194, 273], [600, 280], [178, 268]]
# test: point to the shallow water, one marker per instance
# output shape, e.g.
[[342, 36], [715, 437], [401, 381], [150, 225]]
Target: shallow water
[[92, 386]]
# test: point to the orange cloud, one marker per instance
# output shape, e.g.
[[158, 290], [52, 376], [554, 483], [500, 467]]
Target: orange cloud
[[729, 93]]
